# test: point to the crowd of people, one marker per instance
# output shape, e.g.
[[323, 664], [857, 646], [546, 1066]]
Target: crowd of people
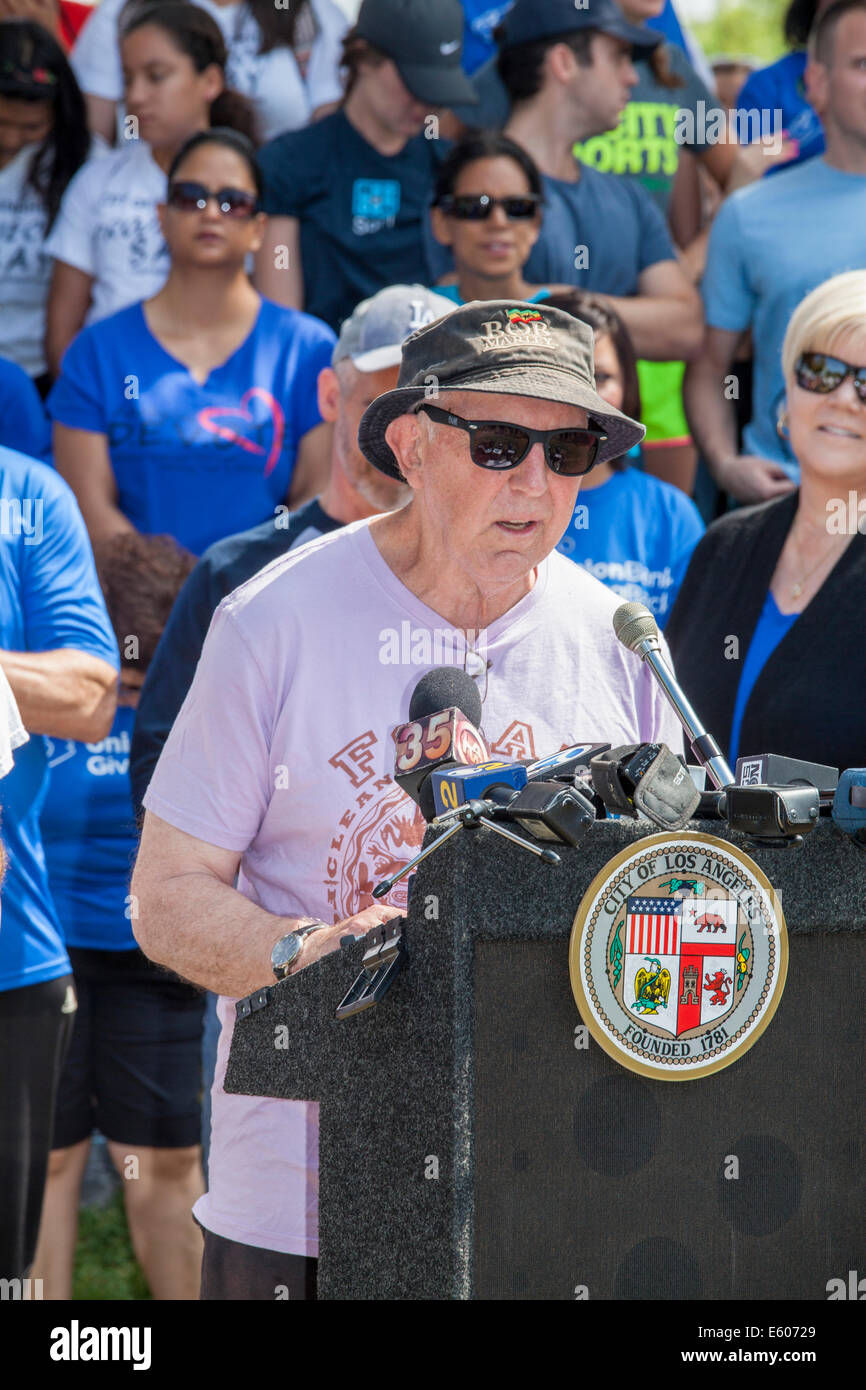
[[320, 318]]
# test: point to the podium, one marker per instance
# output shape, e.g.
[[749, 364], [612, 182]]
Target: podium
[[471, 1145]]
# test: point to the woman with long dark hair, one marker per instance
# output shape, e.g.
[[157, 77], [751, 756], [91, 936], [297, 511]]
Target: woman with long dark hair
[[487, 209], [284, 58], [43, 143], [107, 244], [195, 414]]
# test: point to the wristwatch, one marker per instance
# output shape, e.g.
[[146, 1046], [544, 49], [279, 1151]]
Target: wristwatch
[[288, 948]]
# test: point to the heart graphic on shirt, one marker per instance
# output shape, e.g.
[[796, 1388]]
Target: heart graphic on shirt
[[213, 418]]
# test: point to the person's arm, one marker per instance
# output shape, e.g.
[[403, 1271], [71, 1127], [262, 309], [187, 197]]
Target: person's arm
[[712, 418], [81, 457], [278, 271], [664, 318], [171, 673], [189, 916], [684, 208], [101, 117], [64, 694], [68, 301], [312, 466]]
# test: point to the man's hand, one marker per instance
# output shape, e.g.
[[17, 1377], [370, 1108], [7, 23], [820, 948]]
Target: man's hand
[[753, 161], [752, 479], [321, 943]]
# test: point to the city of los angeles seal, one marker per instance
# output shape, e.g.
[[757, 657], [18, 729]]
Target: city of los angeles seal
[[678, 956]]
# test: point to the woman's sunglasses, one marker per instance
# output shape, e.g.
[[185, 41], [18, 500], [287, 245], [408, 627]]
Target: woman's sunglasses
[[815, 371], [194, 197], [495, 444], [468, 207]]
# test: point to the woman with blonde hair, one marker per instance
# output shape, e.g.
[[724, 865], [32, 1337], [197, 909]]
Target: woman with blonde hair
[[766, 630]]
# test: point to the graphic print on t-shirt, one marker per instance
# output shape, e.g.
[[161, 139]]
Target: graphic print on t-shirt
[[375, 204], [381, 828], [250, 424]]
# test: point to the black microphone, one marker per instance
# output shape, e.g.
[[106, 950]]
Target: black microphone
[[444, 715]]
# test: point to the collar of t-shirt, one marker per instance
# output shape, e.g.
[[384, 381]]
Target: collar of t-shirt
[[522, 615]]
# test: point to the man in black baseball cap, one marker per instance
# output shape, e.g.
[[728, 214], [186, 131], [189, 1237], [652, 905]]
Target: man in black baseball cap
[[424, 39], [347, 197], [600, 232]]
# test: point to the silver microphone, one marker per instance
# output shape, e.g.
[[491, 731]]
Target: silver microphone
[[636, 628]]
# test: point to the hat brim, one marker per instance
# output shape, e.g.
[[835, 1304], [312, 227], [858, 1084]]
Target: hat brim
[[440, 86], [536, 383]]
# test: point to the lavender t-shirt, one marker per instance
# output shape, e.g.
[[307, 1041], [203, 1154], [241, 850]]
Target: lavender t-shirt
[[282, 751]]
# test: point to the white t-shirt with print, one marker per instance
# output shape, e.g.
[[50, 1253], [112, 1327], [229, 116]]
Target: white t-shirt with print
[[25, 269], [310, 665], [107, 226], [284, 99]]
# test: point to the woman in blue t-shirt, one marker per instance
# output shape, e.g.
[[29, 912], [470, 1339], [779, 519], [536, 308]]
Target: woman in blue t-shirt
[[133, 1069], [194, 413], [487, 209], [632, 531], [107, 247]]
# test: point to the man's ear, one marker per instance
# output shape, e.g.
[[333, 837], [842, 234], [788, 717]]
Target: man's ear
[[817, 83], [560, 62], [404, 437], [328, 394]]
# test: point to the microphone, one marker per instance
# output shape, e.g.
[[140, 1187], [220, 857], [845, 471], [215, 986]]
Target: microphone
[[849, 804], [636, 628], [567, 764], [450, 787], [547, 810], [444, 714], [647, 778]]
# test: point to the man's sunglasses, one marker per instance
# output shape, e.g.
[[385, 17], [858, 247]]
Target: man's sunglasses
[[495, 444], [815, 371], [194, 197], [468, 207]]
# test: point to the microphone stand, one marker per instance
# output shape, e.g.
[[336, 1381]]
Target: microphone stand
[[468, 816]]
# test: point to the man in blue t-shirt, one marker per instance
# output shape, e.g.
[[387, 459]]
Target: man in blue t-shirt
[[771, 244], [59, 654], [347, 196], [568, 73]]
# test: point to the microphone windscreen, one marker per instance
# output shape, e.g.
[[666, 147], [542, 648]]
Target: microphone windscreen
[[446, 687], [633, 623]]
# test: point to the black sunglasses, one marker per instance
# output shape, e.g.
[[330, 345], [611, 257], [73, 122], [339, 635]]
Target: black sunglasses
[[186, 196], [495, 444], [469, 207], [815, 371]]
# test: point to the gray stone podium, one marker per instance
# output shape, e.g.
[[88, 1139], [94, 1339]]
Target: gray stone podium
[[468, 1149]]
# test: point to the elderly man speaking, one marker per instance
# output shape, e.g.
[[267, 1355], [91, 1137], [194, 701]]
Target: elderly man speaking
[[278, 769]]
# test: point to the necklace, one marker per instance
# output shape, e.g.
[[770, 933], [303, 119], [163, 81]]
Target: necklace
[[797, 589]]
